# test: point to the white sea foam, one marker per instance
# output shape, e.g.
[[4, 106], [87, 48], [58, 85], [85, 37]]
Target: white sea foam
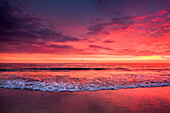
[[61, 86], [83, 77]]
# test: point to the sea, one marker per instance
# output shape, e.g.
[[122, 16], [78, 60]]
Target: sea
[[59, 77]]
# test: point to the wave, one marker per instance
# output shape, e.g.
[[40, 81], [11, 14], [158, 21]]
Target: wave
[[72, 87], [120, 68], [157, 69], [78, 69], [57, 69]]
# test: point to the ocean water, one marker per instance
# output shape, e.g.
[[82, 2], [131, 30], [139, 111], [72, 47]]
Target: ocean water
[[57, 77]]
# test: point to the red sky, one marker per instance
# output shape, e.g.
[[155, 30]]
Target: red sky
[[73, 31]]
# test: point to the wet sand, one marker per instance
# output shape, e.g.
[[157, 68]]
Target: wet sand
[[138, 100]]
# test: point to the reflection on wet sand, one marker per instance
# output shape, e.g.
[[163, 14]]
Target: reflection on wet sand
[[140, 100]]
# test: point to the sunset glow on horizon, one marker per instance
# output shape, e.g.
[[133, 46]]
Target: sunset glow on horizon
[[85, 31]]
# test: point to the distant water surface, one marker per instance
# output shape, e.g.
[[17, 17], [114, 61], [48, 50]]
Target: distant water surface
[[83, 76]]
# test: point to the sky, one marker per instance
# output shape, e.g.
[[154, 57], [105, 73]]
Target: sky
[[84, 31]]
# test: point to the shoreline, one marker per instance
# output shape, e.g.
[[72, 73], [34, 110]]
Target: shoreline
[[145, 99], [87, 90]]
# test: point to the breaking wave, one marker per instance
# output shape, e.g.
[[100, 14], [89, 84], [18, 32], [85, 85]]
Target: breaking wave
[[81, 84], [83, 77], [53, 69]]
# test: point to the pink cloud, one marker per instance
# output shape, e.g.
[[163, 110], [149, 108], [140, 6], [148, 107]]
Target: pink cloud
[[162, 12]]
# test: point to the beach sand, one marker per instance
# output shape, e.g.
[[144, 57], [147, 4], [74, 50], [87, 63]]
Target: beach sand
[[138, 100]]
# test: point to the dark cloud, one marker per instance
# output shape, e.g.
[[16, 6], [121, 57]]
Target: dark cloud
[[94, 46], [122, 20], [59, 46], [120, 23], [17, 26], [99, 47], [109, 41], [100, 1], [42, 48], [22, 31], [97, 28]]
